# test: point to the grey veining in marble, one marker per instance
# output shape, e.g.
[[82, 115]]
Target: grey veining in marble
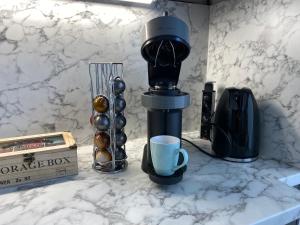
[[212, 192], [255, 43], [45, 48]]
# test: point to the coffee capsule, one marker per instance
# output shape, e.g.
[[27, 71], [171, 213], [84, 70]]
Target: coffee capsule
[[120, 154], [102, 140], [101, 122], [121, 138], [103, 156], [120, 121], [119, 86], [100, 103], [120, 104]]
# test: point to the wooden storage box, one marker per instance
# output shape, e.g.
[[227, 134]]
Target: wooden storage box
[[37, 157]]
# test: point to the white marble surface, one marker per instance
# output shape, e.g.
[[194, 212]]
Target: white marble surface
[[45, 48], [255, 44], [211, 192]]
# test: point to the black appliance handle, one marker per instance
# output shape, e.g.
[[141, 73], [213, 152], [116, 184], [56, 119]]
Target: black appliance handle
[[228, 137]]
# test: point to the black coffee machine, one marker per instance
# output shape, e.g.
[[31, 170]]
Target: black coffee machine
[[165, 46]]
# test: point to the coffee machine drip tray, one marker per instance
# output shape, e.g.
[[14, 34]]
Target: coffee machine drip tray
[[162, 180], [179, 101]]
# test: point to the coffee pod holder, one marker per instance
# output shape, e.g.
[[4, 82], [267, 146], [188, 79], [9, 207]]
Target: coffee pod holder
[[107, 99]]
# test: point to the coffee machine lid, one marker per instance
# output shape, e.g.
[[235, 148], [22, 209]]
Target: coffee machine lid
[[167, 26], [166, 33], [165, 46]]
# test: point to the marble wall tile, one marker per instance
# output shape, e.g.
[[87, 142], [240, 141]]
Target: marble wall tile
[[45, 48], [255, 44]]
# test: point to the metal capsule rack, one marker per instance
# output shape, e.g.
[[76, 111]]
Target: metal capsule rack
[[107, 98]]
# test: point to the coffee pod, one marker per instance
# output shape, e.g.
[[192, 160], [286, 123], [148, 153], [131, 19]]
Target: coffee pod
[[120, 121], [120, 104], [100, 103], [121, 138], [101, 122], [103, 156], [102, 140], [120, 154], [119, 86]]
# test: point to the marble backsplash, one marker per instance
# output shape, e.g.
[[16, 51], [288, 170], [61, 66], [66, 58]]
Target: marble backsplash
[[255, 44], [45, 48]]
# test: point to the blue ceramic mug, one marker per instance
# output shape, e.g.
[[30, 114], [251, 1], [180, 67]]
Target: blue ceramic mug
[[165, 154]]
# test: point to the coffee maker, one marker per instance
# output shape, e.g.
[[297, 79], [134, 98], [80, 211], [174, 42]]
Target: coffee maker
[[165, 46]]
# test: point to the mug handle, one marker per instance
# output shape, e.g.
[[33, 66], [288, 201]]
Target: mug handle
[[185, 159]]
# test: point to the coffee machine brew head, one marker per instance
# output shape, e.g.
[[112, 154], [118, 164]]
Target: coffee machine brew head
[[165, 46]]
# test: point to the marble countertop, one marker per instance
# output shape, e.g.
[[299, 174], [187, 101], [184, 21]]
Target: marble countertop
[[212, 192]]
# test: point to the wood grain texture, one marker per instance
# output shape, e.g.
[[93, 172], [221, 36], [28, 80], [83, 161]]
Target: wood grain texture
[[26, 166]]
